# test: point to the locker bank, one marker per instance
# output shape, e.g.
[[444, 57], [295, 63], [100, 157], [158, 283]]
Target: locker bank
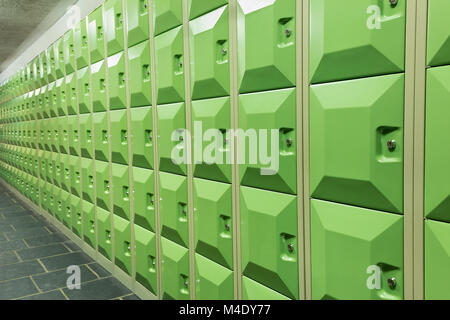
[[94, 111]]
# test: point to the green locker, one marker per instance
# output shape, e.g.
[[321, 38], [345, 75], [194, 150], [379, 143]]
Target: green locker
[[274, 112], [213, 282], [137, 21], [74, 142], [49, 101], [367, 172], [49, 165], [144, 198], [56, 170], [121, 190], [209, 55], [438, 46], [63, 125], [167, 14], [43, 108], [65, 171], [52, 199], [174, 271], [59, 58], [349, 256], [122, 243], [63, 201], [67, 209], [170, 61], [117, 81], [59, 105], [140, 82], [174, 208], [35, 182], [51, 72], [119, 136], [84, 90], [345, 37], [98, 74], [437, 260], [86, 135], [145, 258], [80, 40], [76, 215], [101, 136], [95, 35], [89, 228], [266, 45], [103, 185], [104, 233], [48, 134], [171, 138], [114, 26], [252, 290], [75, 176], [213, 224], [437, 170], [43, 165], [269, 239], [142, 133], [199, 7], [71, 94], [87, 173], [54, 137], [69, 51]]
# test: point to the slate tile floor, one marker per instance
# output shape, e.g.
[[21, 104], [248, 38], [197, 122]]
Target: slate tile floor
[[34, 257]]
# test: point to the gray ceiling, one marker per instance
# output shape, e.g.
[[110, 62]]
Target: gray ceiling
[[19, 18]]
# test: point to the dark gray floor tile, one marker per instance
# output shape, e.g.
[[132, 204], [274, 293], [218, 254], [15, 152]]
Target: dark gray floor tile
[[65, 260], [72, 246], [27, 233], [102, 289], [131, 297], [27, 225], [19, 270], [45, 240], [18, 220], [42, 252], [98, 269], [11, 210], [12, 245], [52, 295], [17, 288], [6, 228], [58, 279], [8, 257]]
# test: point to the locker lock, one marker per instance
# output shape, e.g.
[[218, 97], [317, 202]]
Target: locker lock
[[186, 284], [290, 247], [393, 2], [392, 283], [288, 32], [224, 52], [289, 142], [391, 144], [227, 227]]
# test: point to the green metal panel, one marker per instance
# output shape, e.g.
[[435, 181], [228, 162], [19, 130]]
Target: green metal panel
[[137, 21], [212, 114], [84, 90], [71, 94], [60, 106], [74, 142], [121, 190], [49, 100], [80, 40], [199, 7], [119, 136], [266, 45], [171, 137], [59, 58], [48, 134], [174, 271], [209, 55], [437, 170], [252, 290], [145, 258], [352, 125], [213, 282], [101, 136], [142, 133], [49, 165], [43, 165], [144, 198], [373, 31], [213, 224], [69, 51], [438, 44], [117, 81], [275, 112], [89, 228], [64, 165], [346, 244], [122, 243], [140, 82], [75, 176], [76, 215], [63, 135], [44, 102], [174, 208], [103, 185], [437, 260], [87, 171], [170, 61], [114, 26], [54, 136], [95, 34], [86, 135], [98, 86], [269, 239], [167, 14], [56, 170], [50, 55], [104, 233], [53, 193]]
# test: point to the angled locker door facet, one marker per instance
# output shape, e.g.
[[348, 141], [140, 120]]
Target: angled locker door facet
[[252, 290], [438, 45], [84, 91], [199, 7], [69, 51], [269, 239], [59, 58], [71, 94], [145, 258], [64, 161], [86, 135], [50, 55], [117, 81], [140, 82], [114, 21], [144, 198], [167, 14], [75, 176], [265, 165], [142, 133], [374, 41], [354, 251], [99, 86], [213, 281], [119, 136], [87, 172], [96, 35], [64, 129], [174, 208], [103, 185], [175, 271], [266, 45], [170, 66], [213, 221], [80, 40], [367, 172], [122, 243], [74, 142], [60, 104], [104, 233], [89, 228], [121, 190], [209, 46], [137, 21], [101, 136]]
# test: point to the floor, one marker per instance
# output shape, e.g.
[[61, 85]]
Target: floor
[[34, 257]]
